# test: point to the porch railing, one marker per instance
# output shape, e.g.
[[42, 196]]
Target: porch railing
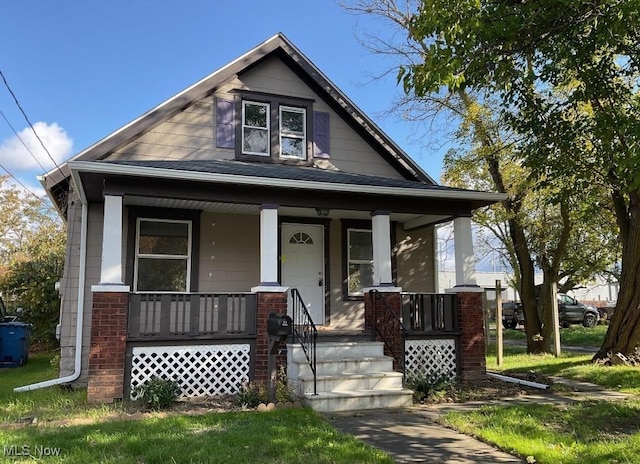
[[430, 312], [389, 327], [171, 316], [305, 332]]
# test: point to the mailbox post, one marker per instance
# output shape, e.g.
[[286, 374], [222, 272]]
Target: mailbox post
[[279, 327]]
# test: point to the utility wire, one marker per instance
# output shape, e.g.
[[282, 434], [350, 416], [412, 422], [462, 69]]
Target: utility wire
[[21, 184], [27, 119], [22, 141]]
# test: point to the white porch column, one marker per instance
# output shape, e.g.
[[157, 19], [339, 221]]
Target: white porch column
[[111, 267], [381, 237], [465, 259], [269, 245]]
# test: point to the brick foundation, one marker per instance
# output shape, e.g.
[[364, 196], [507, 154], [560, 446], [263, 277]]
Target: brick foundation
[[471, 358], [108, 347], [268, 302]]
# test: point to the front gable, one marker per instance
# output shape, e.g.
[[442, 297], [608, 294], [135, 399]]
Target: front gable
[[211, 128]]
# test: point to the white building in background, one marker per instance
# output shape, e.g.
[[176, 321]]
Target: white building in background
[[489, 269], [600, 291]]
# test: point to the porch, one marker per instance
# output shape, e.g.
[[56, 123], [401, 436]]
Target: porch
[[211, 344]]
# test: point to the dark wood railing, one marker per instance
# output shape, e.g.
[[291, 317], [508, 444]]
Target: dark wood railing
[[430, 312], [172, 316], [305, 332]]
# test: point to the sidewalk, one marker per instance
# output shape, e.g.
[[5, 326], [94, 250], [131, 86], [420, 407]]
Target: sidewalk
[[413, 435]]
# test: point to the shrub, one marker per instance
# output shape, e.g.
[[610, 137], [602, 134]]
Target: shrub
[[158, 393], [431, 385], [251, 394]]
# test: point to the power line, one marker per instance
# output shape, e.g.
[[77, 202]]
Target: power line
[[22, 141], [28, 121], [21, 184]]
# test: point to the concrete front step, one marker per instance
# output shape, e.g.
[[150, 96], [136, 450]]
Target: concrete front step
[[338, 366], [347, 381], [326, 350], [358, 400]]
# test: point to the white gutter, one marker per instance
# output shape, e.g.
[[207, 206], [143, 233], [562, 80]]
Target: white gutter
[[77, 368], [144, 171]]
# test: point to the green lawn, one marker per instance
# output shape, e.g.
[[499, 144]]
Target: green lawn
[[584, 432], [281, 436], [574, 335], [591, 432], [569, 365]]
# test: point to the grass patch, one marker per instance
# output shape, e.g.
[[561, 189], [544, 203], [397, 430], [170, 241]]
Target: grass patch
[[569, 365], [47, 403], [283, 436], [574, 335], [588, 432]]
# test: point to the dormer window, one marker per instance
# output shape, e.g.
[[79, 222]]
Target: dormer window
[[274, 128], [293, 140], [255, 128]]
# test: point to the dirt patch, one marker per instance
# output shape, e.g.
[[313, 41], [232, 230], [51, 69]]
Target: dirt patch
[[486, 390]]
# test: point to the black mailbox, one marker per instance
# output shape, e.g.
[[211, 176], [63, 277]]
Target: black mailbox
[[279, 325]]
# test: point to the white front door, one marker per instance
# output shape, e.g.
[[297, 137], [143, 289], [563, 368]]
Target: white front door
[[303, 265]]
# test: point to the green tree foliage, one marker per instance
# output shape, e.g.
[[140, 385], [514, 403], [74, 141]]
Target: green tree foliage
[[31, 260], [545, 95], [566, 75]]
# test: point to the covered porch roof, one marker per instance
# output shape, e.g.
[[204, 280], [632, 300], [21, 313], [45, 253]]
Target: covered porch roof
[[235, 186]]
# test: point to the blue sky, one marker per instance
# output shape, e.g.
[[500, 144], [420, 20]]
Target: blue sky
[[82, 69]]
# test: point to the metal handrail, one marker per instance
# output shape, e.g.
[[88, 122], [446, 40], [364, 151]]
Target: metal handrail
[[387, 324], [305, 333]]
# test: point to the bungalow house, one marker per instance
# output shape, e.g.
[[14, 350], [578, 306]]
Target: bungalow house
[[260, 189]]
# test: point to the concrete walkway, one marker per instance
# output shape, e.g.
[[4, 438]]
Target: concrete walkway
[[413, 434], [410, 435]]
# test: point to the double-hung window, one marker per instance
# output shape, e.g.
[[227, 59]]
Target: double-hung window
[[276, 127], [293, 135], [256, 139], [359, 260], [162, 255]]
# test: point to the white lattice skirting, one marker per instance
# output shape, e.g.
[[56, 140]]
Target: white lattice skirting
[[431, 358], [201, 370]]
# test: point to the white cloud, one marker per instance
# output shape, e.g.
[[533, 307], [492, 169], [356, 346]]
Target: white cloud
[[15, 157]]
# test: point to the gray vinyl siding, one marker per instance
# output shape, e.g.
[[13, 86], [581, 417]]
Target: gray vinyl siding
[[348, 151], [190, 134], [415, 256], [70, 285], [229, 252]]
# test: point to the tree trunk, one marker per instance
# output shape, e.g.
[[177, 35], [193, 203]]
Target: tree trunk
[[623, 334], [513, 206]]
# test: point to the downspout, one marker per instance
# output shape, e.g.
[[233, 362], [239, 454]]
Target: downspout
[[77, 369]]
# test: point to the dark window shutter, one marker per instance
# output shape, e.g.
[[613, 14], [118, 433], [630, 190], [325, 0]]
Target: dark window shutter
[[225, 130], [321, 134]]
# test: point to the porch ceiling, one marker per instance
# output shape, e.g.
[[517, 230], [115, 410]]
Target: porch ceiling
[[410, 220]]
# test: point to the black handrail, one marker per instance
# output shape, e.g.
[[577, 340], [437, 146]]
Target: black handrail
[[387, 325], [305, 333]]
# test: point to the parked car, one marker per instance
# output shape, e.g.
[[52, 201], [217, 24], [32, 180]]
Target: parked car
[[570, 311], [512, 314]]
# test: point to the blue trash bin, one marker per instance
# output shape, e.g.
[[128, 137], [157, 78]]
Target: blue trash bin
[[14, 343]]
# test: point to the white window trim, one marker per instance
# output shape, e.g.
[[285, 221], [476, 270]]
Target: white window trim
[[355, 261], [268, 128], [160, 256], [293, 135]]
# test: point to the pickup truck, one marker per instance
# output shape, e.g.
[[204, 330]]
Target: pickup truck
[[570, 311]]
